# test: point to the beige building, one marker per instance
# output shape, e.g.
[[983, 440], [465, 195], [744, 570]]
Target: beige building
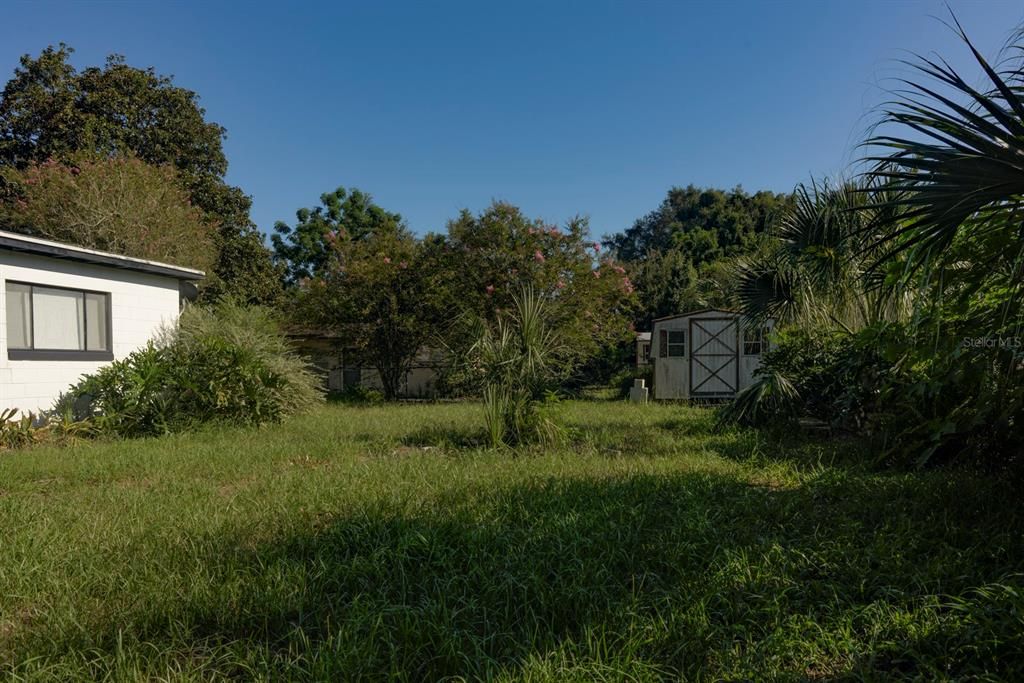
[[324, 351], [707, 354]]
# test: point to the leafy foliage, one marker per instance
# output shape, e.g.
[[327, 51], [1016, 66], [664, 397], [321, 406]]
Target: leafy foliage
[[678, 255], [516, 357], [229, 364], [306, 250], [117, 204], [491, 258], [49, 110], [816, 268], [379, 294], [705, 224]]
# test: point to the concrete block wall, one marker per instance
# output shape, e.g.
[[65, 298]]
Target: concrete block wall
[[140, 304]]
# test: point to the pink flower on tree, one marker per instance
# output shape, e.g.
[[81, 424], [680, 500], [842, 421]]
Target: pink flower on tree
[[538, 257], [490, 289], [403, 265], [597, 273], [560, 284], [387, 259], [597, 246]]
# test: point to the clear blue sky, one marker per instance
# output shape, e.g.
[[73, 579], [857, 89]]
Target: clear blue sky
[[591, 107]]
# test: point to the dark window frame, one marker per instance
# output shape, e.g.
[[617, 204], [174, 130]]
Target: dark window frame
[[64, 354], [676, 349], [755, 342]]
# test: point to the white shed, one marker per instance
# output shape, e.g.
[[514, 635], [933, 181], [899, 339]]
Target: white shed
[[706, 354], [66, 311]]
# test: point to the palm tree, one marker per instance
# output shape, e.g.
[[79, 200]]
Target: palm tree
[[817, 269], [950, 159]]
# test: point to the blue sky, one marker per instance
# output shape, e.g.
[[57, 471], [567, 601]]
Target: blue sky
[[594, 108]]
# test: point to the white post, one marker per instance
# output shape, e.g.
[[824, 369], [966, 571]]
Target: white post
[[638, 392]]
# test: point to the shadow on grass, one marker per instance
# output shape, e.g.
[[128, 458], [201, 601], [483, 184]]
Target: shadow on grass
[[693, 575], [449, 437]]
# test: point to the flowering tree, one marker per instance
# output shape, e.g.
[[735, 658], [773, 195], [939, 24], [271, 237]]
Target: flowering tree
[[118, 204], [492, 257], [378, 292]]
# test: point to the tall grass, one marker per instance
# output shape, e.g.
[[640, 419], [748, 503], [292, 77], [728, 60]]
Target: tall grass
[[381, 543]]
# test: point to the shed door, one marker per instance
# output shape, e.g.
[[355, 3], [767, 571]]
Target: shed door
[[714, 366], [670, 365]]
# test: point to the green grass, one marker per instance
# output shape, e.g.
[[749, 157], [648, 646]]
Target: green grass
[[382, 543]]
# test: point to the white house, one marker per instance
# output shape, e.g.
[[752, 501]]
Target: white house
[[706, 354], [66, 311]]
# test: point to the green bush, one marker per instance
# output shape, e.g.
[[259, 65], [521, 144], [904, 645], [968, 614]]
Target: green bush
[[358, 395], [225, 364], [920, 398]]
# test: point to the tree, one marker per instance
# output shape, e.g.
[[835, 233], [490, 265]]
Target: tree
[[816, 267], [950, 157], [494, 256], [379, 294], [49, 110], [679, 254], [114, 204], [705, 224], [305, 250]]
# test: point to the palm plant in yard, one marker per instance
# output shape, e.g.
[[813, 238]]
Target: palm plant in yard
[[517, 356], [817, 267], [951, 159], [921, 264]]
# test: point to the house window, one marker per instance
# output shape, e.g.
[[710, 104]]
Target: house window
[[754, 342], [645, 353], [676, 343], [56, 323]]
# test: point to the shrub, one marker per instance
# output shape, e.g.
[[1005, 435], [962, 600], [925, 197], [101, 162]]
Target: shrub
[[515, 357], [30, 429], [224, 364]]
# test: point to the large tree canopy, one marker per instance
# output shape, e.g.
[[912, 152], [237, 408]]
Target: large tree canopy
[[306, 249], [496, 255], [678, 255], [50, 110], [704, 223], [115, 204]]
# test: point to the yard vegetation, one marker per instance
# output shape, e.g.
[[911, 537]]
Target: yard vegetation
[[388, 542], [222, 521]]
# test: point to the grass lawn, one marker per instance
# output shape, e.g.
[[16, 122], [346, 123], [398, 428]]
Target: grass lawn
[[380, 543]]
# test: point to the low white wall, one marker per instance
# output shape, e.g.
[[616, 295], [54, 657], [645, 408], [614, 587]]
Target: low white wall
[[140, 303]]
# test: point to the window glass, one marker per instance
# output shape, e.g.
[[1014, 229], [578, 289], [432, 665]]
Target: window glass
[[19, 317], [753, 342], [58, 319], [96, 316], [676, 343]]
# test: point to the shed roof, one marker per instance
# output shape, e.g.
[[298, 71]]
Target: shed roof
[[12, 241], [697, 312]]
